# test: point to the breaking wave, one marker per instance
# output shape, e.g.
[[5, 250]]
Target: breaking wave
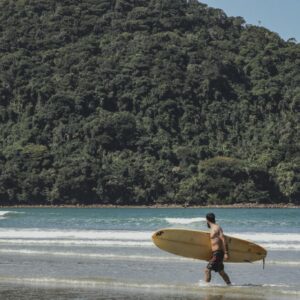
[[184, 220]]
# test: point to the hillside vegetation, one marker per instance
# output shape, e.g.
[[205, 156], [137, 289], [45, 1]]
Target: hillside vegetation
[[145, 102]]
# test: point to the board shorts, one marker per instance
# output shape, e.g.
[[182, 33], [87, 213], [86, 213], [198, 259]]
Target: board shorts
[[216, 262]]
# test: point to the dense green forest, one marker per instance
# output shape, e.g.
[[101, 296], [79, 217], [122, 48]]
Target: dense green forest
[[143, 102]]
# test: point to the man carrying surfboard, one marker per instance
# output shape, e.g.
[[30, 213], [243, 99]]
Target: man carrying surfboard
[[219, 250]]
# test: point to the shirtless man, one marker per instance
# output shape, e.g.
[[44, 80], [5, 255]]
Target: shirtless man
[[219, 250]]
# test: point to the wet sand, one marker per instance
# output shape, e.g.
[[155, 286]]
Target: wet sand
[[33, 291]]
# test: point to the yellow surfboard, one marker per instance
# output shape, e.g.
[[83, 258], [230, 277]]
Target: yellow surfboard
[[196, 244]]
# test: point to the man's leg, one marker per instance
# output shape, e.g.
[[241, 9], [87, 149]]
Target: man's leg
[[207, 275], [225, 277]]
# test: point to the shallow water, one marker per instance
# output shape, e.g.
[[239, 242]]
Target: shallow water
[[68, 253]]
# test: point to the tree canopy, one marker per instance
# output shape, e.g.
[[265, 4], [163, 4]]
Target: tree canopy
[[145, 102]]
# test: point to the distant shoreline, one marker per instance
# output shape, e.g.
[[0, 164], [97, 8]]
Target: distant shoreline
[[279, 205]]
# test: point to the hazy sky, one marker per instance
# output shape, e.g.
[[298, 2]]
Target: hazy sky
[[281, 16]]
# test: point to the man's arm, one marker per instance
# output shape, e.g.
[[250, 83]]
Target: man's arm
[[224, 244]]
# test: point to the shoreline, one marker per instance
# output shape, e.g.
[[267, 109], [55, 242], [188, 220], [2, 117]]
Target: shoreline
[[237, 206]]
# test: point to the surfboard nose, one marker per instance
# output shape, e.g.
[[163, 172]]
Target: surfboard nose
[[153, 236], [157, 234]]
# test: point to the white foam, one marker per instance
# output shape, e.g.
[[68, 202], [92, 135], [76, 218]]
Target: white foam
[[184, 220], [104, 256], [89, 283], [275, 285], [53, 281], [94, 255], [72, 234], [131, 235], [8, 212], [280, 246], [269, 237], [276, 241], [203, 283], [283, 262], [102, 243]]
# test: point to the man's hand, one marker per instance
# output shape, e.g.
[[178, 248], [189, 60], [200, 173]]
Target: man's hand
[[226, 256]]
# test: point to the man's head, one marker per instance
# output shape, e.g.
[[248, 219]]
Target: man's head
[[210, 217]]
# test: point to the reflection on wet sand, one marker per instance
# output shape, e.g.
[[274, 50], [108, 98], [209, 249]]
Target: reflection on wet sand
[[11, 291], [229, 297], [215, 297]]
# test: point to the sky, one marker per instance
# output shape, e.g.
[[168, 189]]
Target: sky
[[281, 16]]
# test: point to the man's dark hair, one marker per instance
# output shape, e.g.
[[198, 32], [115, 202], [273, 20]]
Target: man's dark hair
[[211, 217]]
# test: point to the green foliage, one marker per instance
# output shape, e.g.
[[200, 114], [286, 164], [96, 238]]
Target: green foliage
[[287, 175], [144, 102], [223, 180]]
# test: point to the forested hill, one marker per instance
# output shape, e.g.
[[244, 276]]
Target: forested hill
[[145, 102]]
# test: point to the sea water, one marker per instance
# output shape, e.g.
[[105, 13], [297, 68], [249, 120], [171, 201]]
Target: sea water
[[107, 253]]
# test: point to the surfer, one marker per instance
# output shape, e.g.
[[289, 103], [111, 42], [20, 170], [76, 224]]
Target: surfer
[[219, 250]]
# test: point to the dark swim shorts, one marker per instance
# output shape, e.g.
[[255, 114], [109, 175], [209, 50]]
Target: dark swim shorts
[[216, 263]]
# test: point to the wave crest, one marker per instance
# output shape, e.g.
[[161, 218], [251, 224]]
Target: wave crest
[[184, 220]]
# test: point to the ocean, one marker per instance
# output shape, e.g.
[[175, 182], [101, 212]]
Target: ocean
[[107, 253]]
